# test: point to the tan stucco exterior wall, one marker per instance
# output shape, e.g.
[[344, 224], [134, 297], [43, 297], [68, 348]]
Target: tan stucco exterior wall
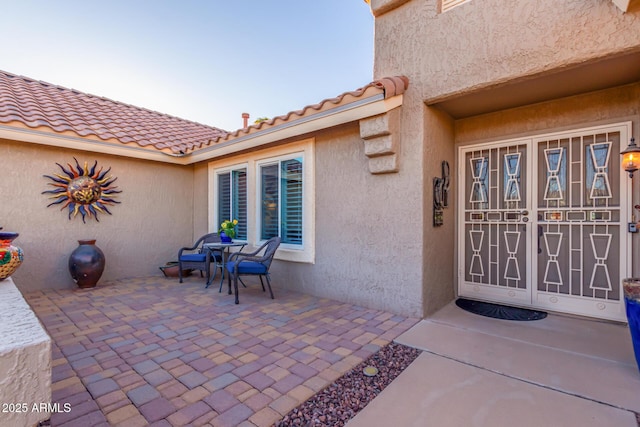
[[368, 247], [483, 43], [475, 47], [146, 230], [438, 242], [200, 201], [368, 227]]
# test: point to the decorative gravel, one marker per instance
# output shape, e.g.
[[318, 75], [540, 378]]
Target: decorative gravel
[[342, 400]]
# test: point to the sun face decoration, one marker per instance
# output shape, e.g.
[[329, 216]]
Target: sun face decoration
[[83, 190]]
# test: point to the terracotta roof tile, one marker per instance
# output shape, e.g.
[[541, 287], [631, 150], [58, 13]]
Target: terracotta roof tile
[[38, 104], [388, 86]]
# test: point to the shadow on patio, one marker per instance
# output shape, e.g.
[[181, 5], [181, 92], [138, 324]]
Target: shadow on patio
[[154, 351]]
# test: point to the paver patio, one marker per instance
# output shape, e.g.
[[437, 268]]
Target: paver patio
[[154, 351]]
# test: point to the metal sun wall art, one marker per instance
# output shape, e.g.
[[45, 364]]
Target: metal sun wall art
[[83, 189]]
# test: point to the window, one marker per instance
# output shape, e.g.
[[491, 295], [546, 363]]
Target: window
[[232, 199], [281, 200], [271, 192]]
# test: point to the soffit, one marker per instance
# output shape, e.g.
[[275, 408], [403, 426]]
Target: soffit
[[602, 74]]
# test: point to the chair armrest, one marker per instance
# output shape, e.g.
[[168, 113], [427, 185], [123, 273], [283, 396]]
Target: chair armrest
[[186, 248], [251, 254], [244, 256]]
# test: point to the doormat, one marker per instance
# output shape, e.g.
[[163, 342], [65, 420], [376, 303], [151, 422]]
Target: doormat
[[498, 311]]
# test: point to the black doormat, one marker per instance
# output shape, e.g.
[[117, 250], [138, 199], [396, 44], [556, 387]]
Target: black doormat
[[498, 311]]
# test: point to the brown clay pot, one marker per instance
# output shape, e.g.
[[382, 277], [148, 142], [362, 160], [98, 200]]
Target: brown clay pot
[[86, 264]]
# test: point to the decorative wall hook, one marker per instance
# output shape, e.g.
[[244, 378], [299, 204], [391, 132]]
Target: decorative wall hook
[[441, 194]]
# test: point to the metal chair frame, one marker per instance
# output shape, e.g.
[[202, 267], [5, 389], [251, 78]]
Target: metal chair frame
[[269, 247]]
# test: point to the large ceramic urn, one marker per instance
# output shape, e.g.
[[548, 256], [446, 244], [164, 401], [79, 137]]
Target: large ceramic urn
[[86, 264], [10, 256]]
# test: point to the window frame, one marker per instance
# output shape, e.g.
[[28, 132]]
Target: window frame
[[304, 253], [278, 161], [216, 198]]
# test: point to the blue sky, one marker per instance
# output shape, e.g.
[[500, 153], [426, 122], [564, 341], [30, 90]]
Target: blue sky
[[206, 61]]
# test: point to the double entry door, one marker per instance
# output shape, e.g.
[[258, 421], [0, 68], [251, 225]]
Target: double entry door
[[543, 222]]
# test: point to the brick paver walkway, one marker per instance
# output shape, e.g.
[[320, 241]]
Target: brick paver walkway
[[156, 352]]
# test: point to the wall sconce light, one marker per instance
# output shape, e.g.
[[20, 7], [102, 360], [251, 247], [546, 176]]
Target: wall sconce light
[[631, 158]]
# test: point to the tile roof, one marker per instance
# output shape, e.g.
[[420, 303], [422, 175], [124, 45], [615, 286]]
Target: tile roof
[[387, 86], [38, 105]]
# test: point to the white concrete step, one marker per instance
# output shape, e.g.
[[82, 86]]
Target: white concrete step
[[579, 357], [439, 392]]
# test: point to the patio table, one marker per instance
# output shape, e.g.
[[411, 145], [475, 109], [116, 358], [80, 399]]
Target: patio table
[[225, 248]]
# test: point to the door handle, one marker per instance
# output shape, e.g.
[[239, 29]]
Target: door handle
[[539, 235]]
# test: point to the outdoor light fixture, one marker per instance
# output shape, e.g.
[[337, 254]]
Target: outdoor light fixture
[[631, 158]]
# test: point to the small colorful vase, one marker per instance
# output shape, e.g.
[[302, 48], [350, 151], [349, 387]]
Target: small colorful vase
[[10, 256]]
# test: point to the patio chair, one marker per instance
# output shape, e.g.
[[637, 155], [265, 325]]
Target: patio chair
[[242, 264], [197, 257]]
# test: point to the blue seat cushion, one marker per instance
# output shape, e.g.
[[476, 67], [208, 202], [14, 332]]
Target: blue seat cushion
[[247, 267], [193, 258]]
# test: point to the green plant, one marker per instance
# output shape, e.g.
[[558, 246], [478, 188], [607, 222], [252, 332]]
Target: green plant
[[229, 227]]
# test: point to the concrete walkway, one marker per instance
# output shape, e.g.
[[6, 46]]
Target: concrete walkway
[[477, 371], [156, 352]]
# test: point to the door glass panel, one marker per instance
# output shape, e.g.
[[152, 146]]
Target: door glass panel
[[598, 171], [480, 177], [512, 177], [555, 187]]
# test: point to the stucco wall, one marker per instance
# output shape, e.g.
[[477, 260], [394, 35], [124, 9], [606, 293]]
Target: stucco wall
[[200, 201], [439, 242], [25, 361], [601, 107], [476, 46], [481, 43], [368, 228], [368, 248], [153, 221]]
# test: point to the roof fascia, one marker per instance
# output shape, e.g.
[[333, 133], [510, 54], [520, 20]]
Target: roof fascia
[[85, 144], [353, 111], [350, 112]]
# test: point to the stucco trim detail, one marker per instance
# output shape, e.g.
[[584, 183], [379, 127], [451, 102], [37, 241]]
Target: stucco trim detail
[[381, 137], [380, 7], [624, 5]]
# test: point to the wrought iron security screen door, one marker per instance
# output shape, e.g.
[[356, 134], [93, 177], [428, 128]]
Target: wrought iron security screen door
[[494, 257], [543, 222]]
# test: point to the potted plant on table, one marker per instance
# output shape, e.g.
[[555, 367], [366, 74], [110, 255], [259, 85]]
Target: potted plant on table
[[228, 230]]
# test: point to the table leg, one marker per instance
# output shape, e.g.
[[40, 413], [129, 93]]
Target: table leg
[[225, 254]]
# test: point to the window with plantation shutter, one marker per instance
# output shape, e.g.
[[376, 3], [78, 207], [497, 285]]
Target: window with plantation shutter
[[291, 211], [281, 192], [271, 193], [232, 199], [239, 202], [269, 215]]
